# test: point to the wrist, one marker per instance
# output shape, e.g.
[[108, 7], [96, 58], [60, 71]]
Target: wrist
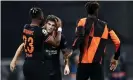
[[66, 61], [14, 61], [115, 57], [59, 29], [66, 65]]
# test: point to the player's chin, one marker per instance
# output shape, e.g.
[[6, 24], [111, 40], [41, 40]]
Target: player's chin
[[49, 31]]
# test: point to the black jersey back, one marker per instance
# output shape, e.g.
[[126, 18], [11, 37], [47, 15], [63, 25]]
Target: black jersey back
[[33, 40]]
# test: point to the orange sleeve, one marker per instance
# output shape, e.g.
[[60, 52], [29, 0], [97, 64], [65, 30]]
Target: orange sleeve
[[79, 33], [115, 39], [81, 22]]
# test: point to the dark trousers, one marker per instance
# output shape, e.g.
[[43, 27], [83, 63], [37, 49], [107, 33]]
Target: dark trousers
[[34, 70], [89, 70]]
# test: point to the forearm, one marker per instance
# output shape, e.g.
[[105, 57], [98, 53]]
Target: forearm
[[116, 42], [79, 37], [18, 52], [67, 53], [117, 54], [54, 40], [58, 38], [59, 30], [66, 61], [78, 40]]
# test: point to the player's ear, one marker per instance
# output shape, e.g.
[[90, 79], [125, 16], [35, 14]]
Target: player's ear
[[42, 18]]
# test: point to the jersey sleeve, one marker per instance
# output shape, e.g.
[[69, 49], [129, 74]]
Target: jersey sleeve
[[63, 43], [64, 46], [115, 39], [79, 31]]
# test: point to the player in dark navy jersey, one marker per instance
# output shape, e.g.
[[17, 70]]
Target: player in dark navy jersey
[[53, 59], [33, 39], [52, 53]]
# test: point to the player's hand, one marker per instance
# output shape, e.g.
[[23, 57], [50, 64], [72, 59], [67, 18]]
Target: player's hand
[[66, 70], [12, 65], [58, 22], [113, 64]]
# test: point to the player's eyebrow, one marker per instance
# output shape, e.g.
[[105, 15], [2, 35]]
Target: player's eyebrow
[[53, 25]]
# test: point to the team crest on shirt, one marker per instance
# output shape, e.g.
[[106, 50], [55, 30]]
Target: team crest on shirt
[[44, 32]]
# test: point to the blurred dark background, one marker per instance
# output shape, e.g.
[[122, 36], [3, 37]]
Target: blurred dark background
[[118, 15]]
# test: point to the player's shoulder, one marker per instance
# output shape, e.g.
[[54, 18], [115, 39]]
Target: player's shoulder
[[84, 18], [62, 36], [63, 41], [26, 25], [44, 31], [102, 22], [81, 21]]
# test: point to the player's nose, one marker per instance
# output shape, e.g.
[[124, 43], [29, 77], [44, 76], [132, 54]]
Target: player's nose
[[50, 27]]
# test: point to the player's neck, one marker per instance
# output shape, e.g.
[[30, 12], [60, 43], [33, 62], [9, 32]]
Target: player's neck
[[35, 23], [91, 16]]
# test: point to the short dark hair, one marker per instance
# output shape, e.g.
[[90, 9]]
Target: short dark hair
[[51, 18], [92, 7], [36, 13]]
